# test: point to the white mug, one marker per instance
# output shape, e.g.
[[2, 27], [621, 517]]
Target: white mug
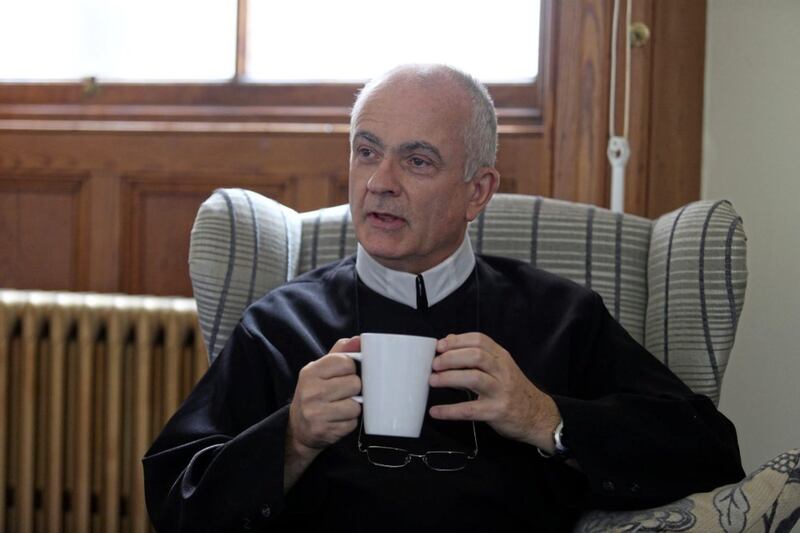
[[394, 382]]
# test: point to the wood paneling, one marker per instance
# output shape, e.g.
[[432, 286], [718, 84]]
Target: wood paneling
[[158, 212], [580, 171], [521, 157], [292, 97], [638, 168], [106, 186], [676, 104], [42, 231], [141, 190]]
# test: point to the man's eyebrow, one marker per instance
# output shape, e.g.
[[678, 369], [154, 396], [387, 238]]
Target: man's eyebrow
[[413, 146], [369, 137]]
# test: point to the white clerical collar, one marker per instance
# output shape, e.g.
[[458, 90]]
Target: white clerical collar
[[440, 281]]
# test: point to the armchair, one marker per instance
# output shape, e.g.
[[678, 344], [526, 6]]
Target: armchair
[[676, 283]]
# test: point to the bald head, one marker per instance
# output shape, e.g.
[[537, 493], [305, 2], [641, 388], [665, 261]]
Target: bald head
[[453, 87]]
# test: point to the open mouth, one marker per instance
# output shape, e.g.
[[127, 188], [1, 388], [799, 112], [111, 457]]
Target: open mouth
[[386, 220], [385, 217]]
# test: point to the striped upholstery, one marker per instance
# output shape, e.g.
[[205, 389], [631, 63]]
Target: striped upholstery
[[242, 245], [327, 236], [695, 256], [594, 247], [696, 281]]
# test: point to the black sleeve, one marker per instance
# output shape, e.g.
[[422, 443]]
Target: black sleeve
[[637, 431], [218, 463]]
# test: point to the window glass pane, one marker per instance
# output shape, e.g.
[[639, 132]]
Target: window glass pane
[[351, 40], [136, 40]]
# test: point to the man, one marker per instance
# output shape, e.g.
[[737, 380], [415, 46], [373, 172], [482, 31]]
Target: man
[[564, 410]]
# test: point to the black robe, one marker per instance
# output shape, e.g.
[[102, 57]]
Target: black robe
[[640, 436]]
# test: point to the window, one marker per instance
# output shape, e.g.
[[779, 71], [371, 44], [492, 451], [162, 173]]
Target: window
[[255, 60], [118, 40], [312, 41], [355, 39]]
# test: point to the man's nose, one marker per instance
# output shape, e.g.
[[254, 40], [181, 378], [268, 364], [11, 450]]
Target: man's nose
[[385, 179]]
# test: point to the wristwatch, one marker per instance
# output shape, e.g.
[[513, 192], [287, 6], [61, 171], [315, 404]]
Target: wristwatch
[[558, 437], [561, 449]]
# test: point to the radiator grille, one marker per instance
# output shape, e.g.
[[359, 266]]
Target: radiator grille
[[86, 382]]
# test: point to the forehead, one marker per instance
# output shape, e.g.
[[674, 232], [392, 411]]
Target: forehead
[[401, 111]]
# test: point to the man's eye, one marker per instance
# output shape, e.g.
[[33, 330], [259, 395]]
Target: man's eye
[[364, 152], [418, 162]]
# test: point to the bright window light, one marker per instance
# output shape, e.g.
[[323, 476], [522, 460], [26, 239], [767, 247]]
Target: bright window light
[[353, 40], [117, 40]]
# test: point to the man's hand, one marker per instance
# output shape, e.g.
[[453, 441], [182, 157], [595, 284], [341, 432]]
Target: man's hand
[[322, 410], [507, 400]]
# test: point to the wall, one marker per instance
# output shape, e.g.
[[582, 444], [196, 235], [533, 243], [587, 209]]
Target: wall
[[751, 155]]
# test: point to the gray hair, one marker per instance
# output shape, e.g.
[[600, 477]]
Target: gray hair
[[480, 132]]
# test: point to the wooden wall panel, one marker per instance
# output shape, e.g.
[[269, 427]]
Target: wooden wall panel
[[521, 158], [158, 213], [580, 169], [638, 168], [111, 147], [676, 107], [41, 231]]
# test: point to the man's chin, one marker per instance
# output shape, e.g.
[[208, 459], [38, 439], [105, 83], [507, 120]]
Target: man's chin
[[383, 251], [387, 251]]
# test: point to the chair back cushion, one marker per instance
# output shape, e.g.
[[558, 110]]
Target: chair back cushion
[[676, 284]]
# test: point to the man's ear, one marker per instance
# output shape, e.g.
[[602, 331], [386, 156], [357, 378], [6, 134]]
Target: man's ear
[[482, 186]]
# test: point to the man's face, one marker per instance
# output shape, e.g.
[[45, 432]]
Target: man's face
[[408, 198]]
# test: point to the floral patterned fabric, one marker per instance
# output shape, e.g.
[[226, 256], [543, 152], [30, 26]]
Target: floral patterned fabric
[[767, 501]]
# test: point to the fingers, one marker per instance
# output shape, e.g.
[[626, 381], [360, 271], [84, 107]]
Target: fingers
[[477, 381], [336, 363], [476, 410], [319, 414], [331, 366], [322, 410], [352, 344], [465, 340], [311, 387], [340, 388], [465, 358], [469, 350], [340, 429], [344, 410]]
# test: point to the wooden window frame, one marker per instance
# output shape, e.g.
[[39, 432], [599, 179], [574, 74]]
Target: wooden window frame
[[239, 100]]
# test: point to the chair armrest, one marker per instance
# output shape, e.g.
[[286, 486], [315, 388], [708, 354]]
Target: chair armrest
[[767, 500]]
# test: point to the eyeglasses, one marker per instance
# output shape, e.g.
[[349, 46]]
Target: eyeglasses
[[438, 460]]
